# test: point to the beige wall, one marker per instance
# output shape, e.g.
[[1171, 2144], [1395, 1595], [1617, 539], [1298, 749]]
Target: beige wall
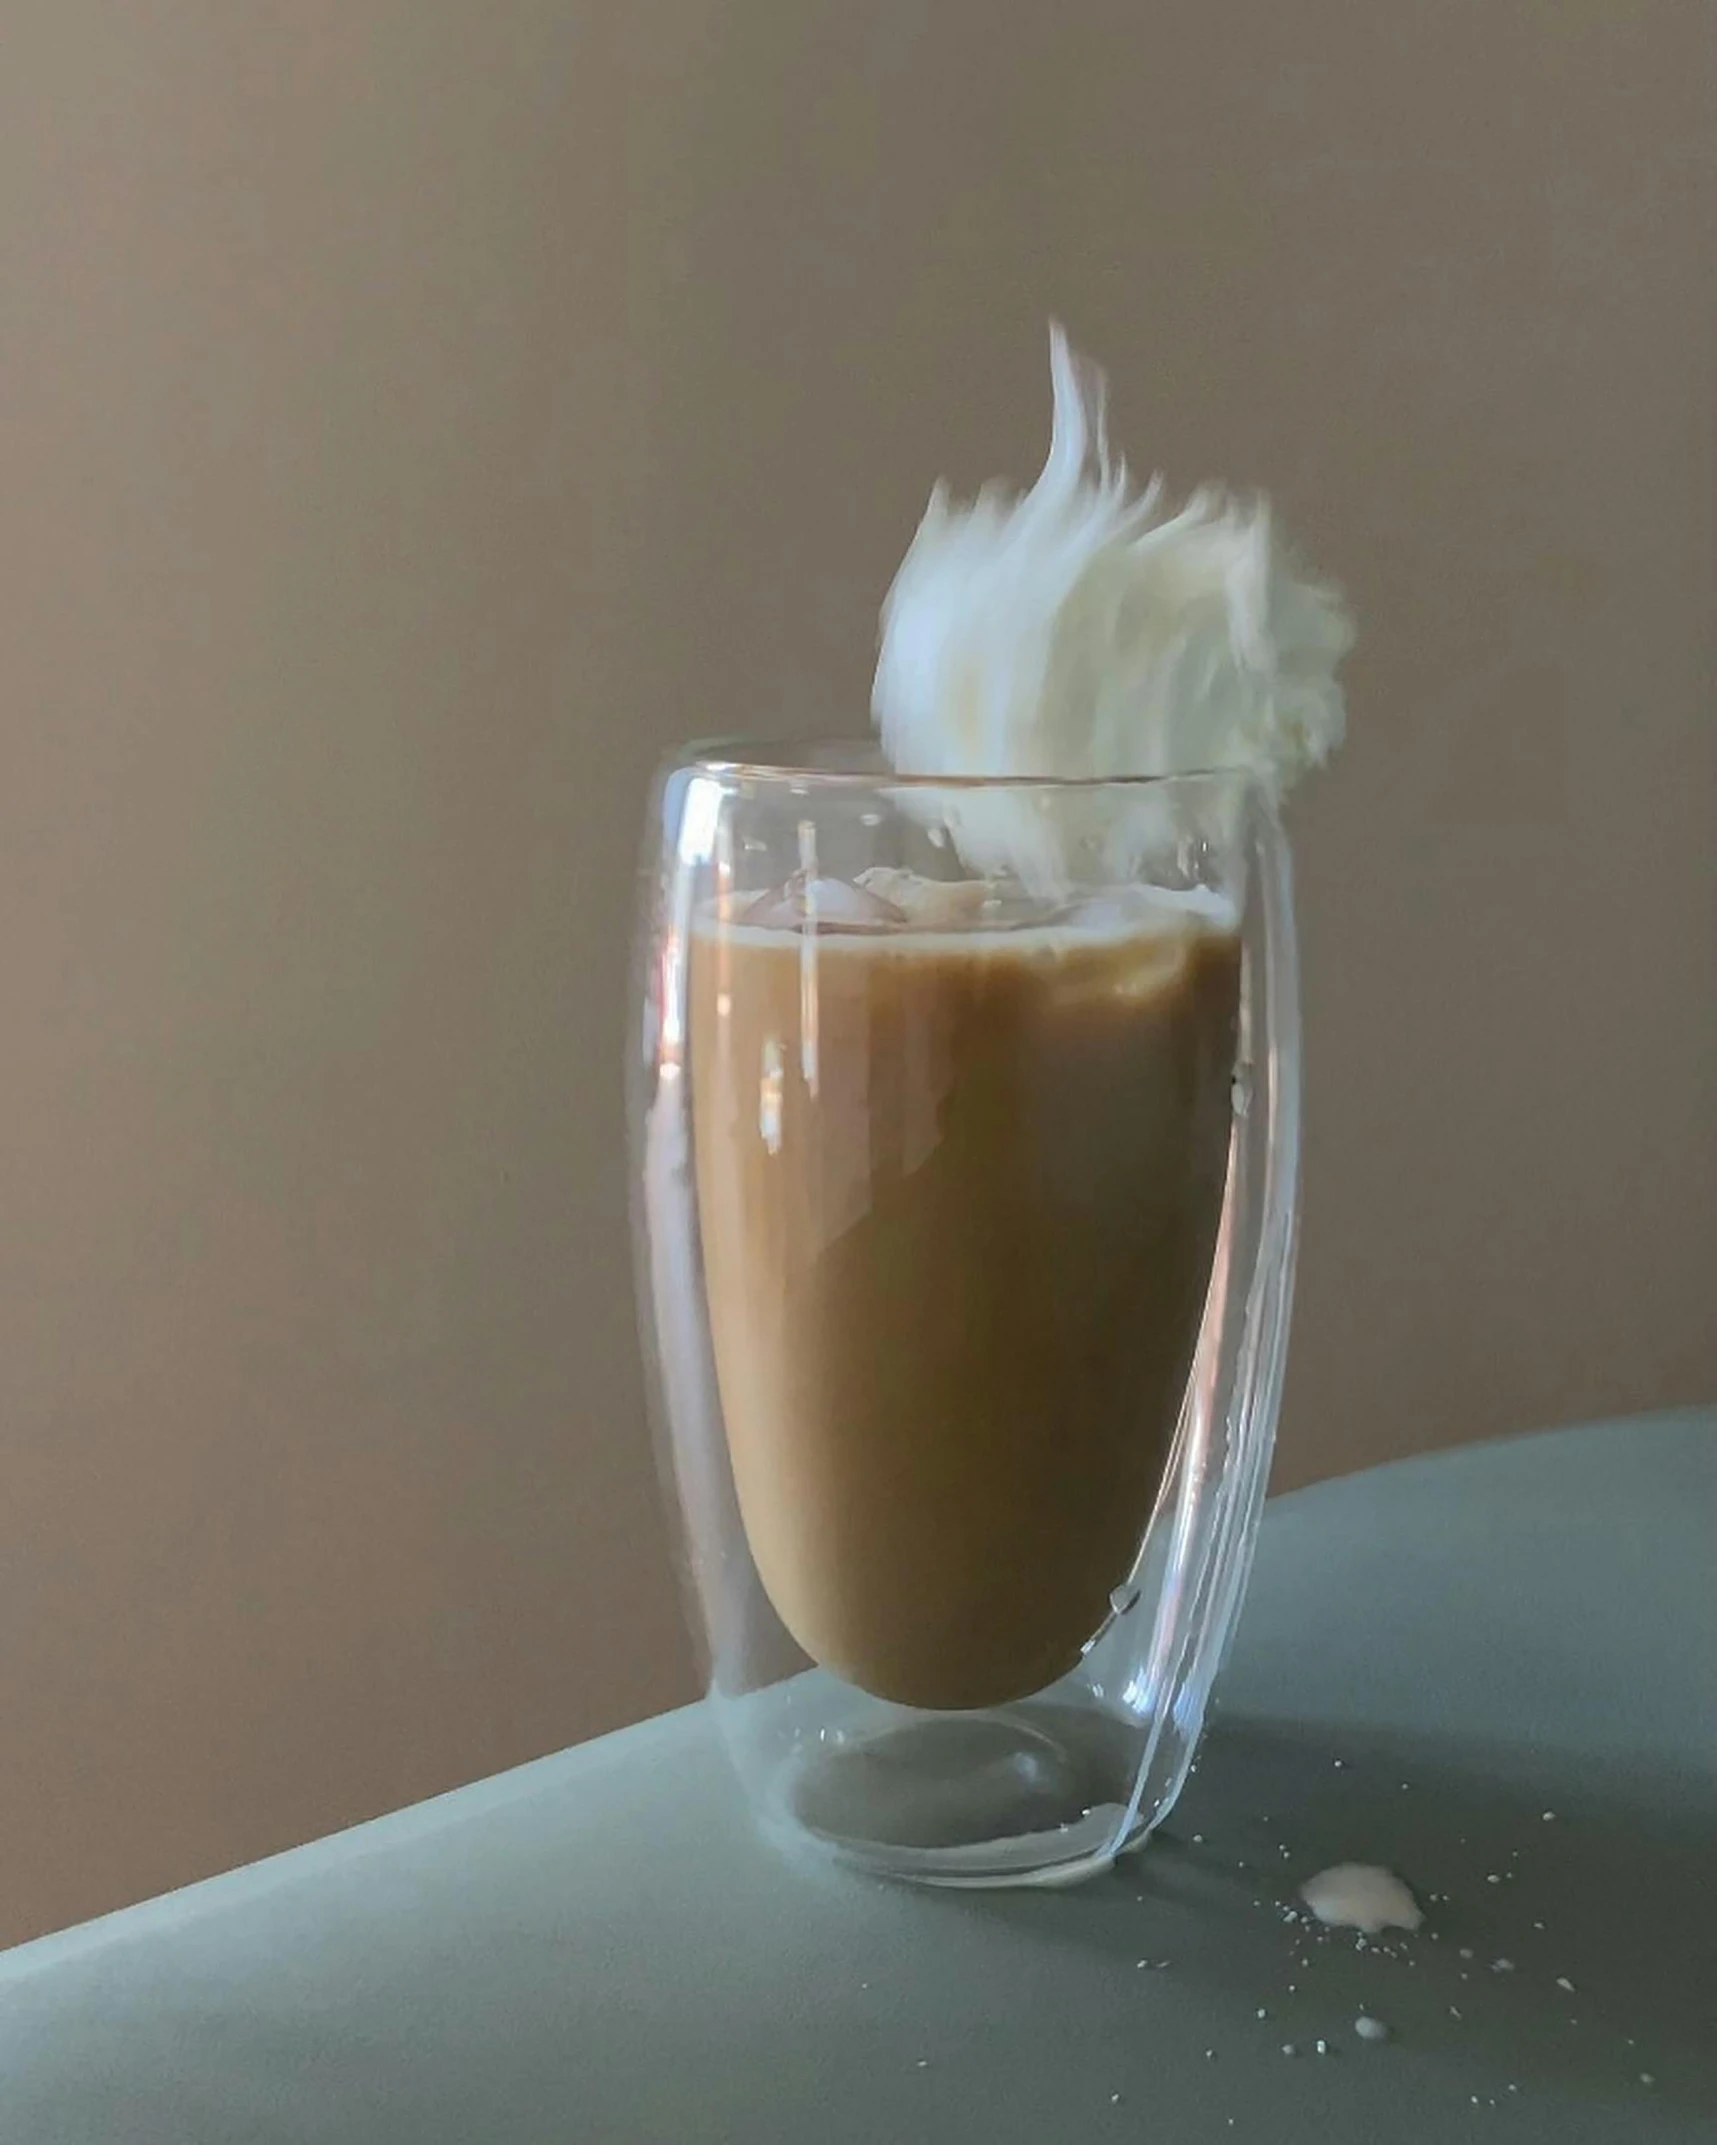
[[416, 415]]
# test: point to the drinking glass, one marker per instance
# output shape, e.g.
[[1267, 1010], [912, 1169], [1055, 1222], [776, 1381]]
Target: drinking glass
[[964, 1368]]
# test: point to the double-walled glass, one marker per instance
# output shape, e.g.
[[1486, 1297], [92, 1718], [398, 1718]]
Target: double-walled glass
[[965, 1137]]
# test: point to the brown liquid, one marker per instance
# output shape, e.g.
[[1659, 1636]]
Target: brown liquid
[[958, 1200]]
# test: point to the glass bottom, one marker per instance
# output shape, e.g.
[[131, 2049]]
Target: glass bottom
[[1024, 1794]]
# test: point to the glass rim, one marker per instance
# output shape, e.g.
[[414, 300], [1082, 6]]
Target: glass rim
[[857, 763]]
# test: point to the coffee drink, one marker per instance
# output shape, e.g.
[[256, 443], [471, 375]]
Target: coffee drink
[[958, 1192]]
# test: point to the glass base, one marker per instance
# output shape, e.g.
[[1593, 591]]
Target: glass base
[[1023, 1795]]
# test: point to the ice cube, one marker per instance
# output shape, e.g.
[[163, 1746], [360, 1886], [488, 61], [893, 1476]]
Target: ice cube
[[928, 904], [1141, 908], [818, 904]]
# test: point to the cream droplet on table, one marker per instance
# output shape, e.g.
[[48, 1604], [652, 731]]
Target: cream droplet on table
[[1359, 1895]]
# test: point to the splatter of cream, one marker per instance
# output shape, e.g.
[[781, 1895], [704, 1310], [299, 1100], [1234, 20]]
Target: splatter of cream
[[1369, 2028], [1085, 630], [1359, 1895]]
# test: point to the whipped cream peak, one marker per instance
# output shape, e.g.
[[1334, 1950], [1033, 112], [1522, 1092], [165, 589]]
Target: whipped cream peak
[[1083, 629]]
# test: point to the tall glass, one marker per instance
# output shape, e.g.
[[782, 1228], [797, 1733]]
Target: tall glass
[[965, 1138]]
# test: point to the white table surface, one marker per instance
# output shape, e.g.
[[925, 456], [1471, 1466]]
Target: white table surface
[[595, 1947]]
